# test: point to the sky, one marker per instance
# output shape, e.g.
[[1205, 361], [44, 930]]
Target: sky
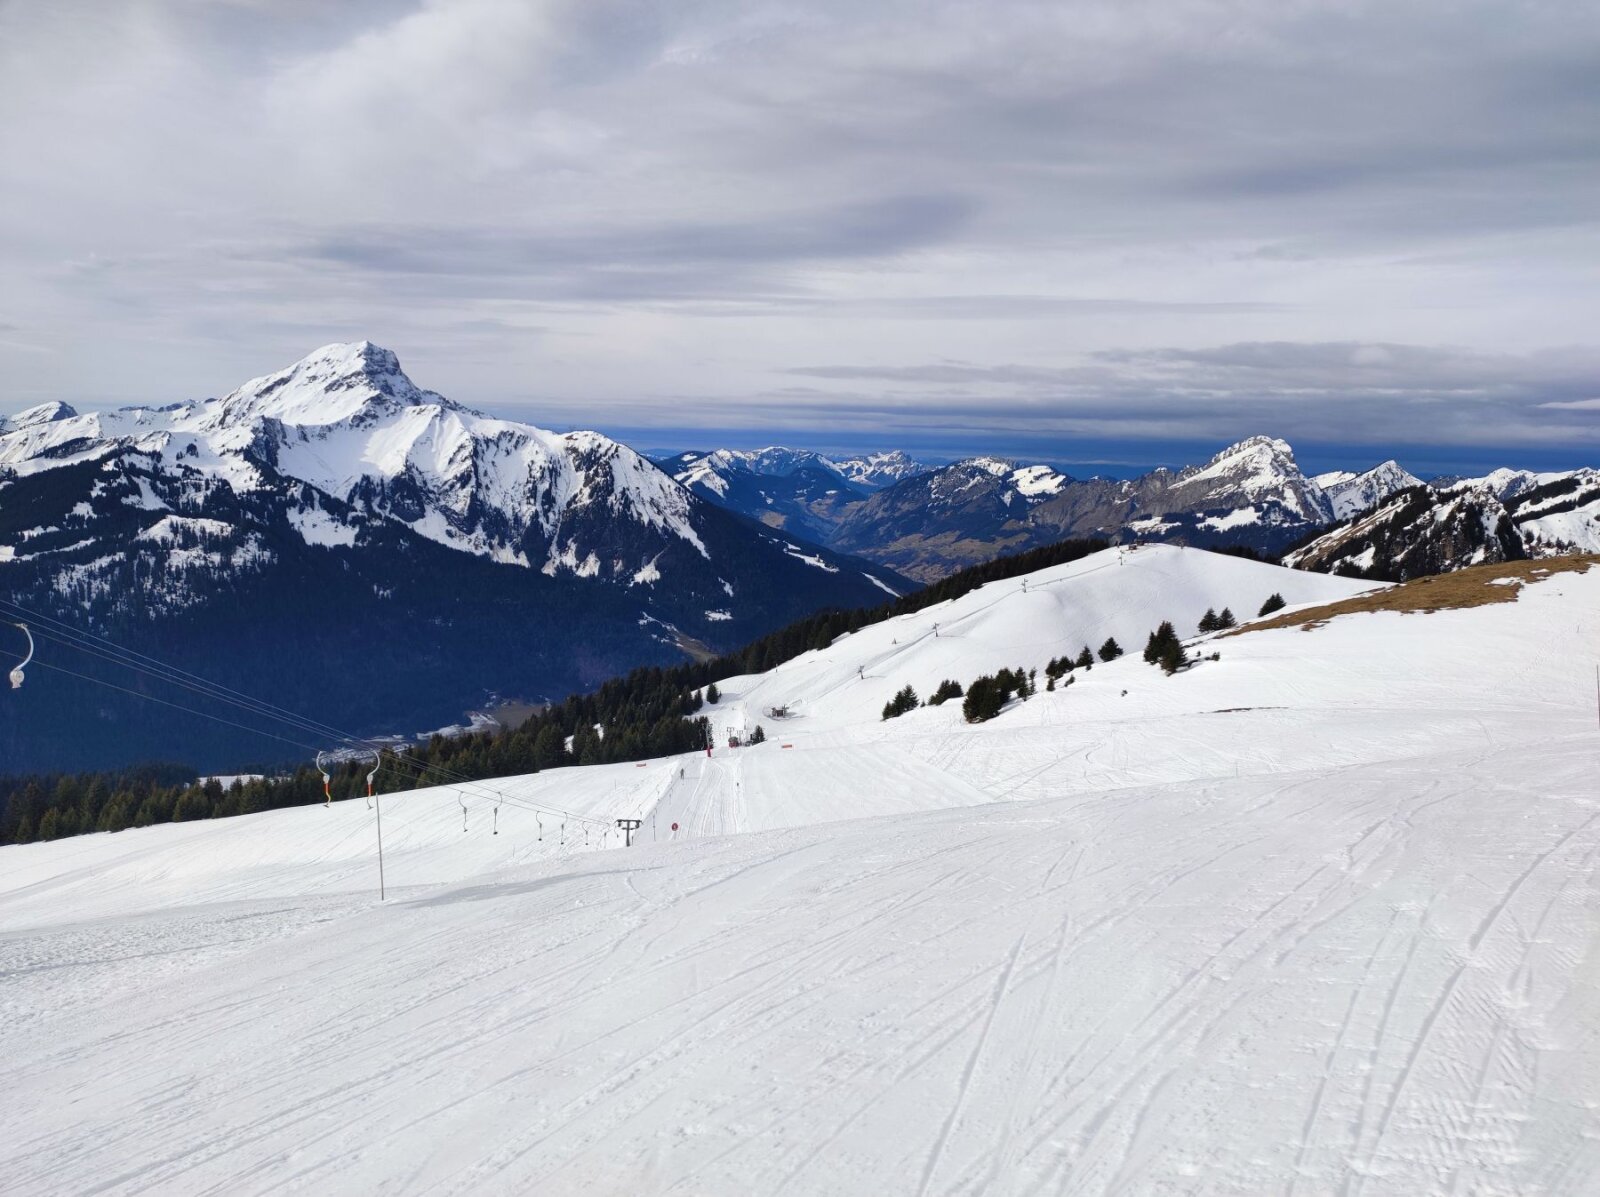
[[1119, 233]]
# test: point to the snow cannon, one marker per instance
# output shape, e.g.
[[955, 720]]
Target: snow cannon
[[16, 674], [327, 779]]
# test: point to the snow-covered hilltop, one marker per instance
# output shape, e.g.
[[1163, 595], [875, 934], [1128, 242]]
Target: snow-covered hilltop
[[1315, 916]]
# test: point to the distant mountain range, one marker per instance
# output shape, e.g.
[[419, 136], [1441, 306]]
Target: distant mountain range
[[931, 521], [336, 540]]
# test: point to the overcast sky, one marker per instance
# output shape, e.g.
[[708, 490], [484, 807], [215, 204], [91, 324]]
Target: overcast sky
[[1090, 228]]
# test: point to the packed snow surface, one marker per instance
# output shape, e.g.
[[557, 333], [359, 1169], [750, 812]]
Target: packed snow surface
[[1319, 917]]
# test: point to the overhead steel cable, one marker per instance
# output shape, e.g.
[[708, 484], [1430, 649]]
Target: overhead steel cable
[[175, 706], [90, 644], [447, 781], [85, 642], [303, 725]]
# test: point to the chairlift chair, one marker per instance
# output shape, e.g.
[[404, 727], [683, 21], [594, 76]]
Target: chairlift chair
[[16, 674]]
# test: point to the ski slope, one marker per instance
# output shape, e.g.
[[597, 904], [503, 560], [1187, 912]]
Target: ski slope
[[1319, 917]]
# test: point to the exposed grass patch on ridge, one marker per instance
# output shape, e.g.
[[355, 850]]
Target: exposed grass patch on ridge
[[1476, 586]]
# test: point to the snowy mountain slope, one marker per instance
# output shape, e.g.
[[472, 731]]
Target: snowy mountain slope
[[1413, 533], [1315, 917], [1121, 593], [1350, 493], [1432, 529], [288, 536], [1560, 515]]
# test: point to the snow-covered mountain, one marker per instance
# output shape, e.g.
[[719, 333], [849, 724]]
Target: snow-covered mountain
[[1349, 492], [1413, 533], [877, 470], [1426, 529], [1560, 514], [340, 491], [798, 490], [348, 423], [1317, 916]]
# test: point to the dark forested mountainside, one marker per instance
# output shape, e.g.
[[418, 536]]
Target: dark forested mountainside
[[651, 711]]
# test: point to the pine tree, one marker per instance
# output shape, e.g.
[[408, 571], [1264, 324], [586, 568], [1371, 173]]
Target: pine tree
[[1085, 659], [759, 736], [1110, 650], [1208, 622], [947, 690], [1226, 619], [1173, 658], [985, 699], [1158, 648], [905, 700], [1274, 603], [713, 694]]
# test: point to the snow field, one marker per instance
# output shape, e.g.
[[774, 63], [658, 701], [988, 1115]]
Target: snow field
[[1321, 917]]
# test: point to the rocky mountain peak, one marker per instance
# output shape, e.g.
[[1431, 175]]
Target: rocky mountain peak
[[328, 386], [45, 413]]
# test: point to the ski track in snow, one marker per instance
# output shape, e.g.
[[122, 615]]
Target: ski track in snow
[[1320, 918]]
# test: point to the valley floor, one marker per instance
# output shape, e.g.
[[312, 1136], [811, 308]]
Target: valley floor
[[1321, 917]]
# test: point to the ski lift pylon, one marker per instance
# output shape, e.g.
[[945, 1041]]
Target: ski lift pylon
[[16, 674]]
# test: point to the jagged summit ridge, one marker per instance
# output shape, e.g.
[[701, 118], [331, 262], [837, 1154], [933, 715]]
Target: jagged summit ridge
[[1255, 470], [1351, 493], [334, 383], [45, 413]]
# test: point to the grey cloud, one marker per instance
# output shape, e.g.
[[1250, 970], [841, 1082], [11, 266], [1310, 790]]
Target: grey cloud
[[645, 262], [607, 206], [1355, 392]]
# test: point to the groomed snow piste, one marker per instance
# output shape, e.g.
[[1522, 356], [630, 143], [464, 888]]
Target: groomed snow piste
[[1319, 917]]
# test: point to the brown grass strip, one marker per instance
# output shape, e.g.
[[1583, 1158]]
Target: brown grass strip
[[1475, 586]]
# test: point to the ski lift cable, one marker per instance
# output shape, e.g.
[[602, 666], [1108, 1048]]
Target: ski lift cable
[[257, 707], [249, 705], [422, 768], [61, 627], [252, 706], [305, 725], [175, 706], [268, 710]]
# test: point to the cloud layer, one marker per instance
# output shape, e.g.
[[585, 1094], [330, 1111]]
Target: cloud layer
[[1192, 218]]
